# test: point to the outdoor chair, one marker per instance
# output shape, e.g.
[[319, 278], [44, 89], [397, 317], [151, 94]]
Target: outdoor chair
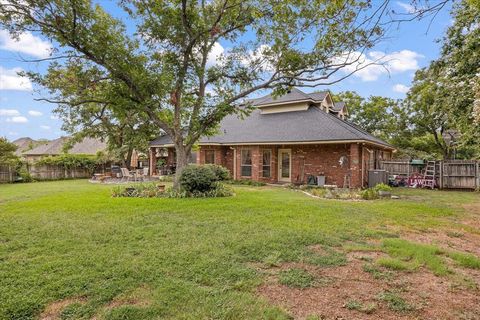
[[144, 174], [127, 175]]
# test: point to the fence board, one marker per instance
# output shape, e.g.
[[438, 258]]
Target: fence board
[[52, 172], [450, 174], [7, 174]]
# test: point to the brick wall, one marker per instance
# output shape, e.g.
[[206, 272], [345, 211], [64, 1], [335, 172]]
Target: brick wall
[[306, 160]]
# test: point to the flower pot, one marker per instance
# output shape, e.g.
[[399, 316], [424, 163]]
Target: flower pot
[[161, 187]]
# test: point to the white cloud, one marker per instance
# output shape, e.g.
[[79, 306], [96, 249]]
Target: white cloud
[[215, 54], [376, 63], [10, 80], [53, 117], [407, 7], [400, 88], [9, 112], [45, 127], [26, 43], [19, 119], [35, 113], [12, 133]]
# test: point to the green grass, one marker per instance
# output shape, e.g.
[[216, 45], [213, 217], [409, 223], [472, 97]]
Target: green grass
[[395, 302], [70, 239], [296, 278], [395, 264]]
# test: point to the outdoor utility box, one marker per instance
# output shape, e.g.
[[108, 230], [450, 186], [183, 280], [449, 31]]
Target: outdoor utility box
[[320, 181], [376, 177]]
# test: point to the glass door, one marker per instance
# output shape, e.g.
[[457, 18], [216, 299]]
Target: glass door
[[284, 165]]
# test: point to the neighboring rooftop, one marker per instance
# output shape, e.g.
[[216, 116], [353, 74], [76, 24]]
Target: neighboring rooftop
[[55, 147], [24, 144]]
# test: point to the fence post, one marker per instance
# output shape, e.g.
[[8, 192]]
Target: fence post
[[477, 175], [441, 174]]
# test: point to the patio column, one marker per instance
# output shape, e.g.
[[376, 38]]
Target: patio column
[[151, 161], [355, 179]]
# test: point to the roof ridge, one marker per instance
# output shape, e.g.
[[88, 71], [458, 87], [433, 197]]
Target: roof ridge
[[354, 128]]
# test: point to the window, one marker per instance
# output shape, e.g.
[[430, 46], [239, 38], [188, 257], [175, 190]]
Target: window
[[246, 163], [210, 156], [266, 163]]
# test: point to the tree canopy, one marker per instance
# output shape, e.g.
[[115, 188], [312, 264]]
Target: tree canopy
[[172, 71], [443, 96], [7, 152]]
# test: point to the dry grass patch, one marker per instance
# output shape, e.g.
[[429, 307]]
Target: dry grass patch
[[54, 310]]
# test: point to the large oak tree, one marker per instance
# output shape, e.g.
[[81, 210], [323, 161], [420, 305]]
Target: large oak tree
[[164, 70]]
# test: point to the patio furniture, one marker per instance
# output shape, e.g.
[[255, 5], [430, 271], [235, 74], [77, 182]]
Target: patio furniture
[[127, 175], [143, 173]]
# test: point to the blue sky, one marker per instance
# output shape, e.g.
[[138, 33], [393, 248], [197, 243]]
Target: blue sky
[[409, 47]]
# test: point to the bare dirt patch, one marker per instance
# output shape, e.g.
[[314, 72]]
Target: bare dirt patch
[[54, 310], [429, 296], [140, 297]]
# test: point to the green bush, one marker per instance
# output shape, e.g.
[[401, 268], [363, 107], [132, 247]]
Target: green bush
[[142, 190], [369, 194], [24, 175], [382, 187], [70, 161], [221, 173], [247, 182], [151, 190], [196, 178]]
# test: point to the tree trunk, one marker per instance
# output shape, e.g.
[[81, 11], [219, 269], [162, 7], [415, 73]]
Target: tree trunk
[[182, 155]]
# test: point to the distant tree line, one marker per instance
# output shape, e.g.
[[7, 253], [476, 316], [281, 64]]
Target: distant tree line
[[440, 117]]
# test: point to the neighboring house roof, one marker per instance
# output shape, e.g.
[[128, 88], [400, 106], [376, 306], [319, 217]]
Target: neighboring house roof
[[23, 144], [55, 147], [312, 125]]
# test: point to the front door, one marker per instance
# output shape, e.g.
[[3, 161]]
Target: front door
[[284, 165]]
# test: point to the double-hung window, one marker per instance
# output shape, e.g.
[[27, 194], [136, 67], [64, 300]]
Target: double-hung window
[[209, 156], [266, 163]]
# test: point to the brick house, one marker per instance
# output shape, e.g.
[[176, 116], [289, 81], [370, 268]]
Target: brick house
[[287, 139]]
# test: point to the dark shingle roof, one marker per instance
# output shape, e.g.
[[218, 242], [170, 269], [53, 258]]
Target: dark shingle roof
[[292, 96], [23, 144], [338, 106], [297, 126]]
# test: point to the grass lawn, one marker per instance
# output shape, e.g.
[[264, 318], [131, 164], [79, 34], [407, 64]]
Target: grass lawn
[[69, 250]]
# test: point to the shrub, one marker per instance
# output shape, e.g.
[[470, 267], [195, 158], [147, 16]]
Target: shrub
[[196, 178], [24, 175], [369, 194], [382, 187], [143, 190], [221, 173], [151, 190], [247, 182]]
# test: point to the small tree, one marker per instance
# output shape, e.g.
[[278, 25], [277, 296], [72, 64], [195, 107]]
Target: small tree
[[7, 152]]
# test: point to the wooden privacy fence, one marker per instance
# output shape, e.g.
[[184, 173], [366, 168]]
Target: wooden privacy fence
[[53, 172], [7, 174], [450, 174]]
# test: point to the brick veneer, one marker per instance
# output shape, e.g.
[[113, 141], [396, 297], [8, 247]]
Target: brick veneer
[[315, 159]]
